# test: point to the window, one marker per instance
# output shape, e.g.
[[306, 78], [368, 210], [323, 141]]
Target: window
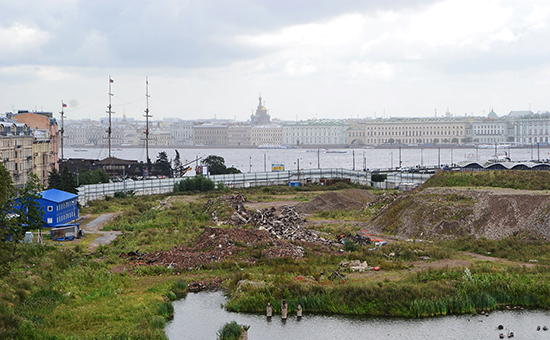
[[50, 208]]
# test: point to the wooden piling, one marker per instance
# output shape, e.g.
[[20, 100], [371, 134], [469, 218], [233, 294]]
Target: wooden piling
[[299, 311], [269, 310], [284, 310]]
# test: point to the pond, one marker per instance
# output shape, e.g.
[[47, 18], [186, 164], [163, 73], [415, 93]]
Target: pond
[[200, 315]]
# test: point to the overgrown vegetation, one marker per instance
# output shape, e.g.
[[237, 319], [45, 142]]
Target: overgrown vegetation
[[523, 180], [50, 286]]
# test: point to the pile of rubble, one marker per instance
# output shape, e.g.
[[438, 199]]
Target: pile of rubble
[[217, 245], [286, 225], [357, 239], [235, 201]]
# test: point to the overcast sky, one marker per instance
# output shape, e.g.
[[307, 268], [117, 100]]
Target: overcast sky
[[309, 59]]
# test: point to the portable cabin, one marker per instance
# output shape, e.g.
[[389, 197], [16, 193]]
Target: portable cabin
[[60, 209]]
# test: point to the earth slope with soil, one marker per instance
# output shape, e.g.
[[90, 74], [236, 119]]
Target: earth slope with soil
[[447, 213], [350, 199]]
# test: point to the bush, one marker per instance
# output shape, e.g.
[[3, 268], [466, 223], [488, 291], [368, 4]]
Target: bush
[[231, 331], [197, 183], [379, 177]]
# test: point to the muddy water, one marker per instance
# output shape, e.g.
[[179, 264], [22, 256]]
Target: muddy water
[[200, 316]]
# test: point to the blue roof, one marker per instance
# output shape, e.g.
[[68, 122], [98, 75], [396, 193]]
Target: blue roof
[[55, 195]]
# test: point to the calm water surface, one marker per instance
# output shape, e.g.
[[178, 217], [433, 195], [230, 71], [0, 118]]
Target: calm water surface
[[199, 316], [256, 160]]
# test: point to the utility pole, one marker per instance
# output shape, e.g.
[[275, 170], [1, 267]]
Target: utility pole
[[110, 111]]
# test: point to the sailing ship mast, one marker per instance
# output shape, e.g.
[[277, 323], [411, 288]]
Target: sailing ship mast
[[147, 115], [109, 107], [62, 129]]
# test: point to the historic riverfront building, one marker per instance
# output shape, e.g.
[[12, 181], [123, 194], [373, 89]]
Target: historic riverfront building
[[528, 127], [411, 131], [316, 132], [267, 135]]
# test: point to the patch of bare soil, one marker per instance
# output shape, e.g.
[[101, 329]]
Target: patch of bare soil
[[348, 200], [217, 245]]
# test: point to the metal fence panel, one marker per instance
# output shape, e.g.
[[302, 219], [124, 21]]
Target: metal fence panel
[[159, 186]]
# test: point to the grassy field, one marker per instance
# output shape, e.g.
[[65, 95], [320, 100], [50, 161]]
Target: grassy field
[[62, 291]]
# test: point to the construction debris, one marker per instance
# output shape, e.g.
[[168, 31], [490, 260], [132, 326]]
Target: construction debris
[[355, 265], [357, 238], [218, 245], [285, 225]]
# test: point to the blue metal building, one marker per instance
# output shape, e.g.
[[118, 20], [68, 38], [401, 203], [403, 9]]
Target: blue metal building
[[60, 207]]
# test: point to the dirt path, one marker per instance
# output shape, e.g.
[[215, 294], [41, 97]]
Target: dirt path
[[94, 226]]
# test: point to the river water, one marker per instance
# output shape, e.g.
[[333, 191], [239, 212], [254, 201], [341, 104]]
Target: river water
[[200, 315], [259, 160]]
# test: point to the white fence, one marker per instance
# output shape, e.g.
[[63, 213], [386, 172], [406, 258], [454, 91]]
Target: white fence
[[158, 186]]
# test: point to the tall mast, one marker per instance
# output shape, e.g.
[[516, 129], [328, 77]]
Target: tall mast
[[109, 107], [146, 115], [62, 129]]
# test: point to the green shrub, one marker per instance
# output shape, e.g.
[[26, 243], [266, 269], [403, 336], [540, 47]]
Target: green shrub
[[231, 331], [379, 177]]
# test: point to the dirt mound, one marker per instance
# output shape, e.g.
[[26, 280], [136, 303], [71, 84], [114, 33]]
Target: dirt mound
[[217, 245], [348, 200], [447, 213]]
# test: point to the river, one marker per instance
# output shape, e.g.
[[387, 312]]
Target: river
[[200, 315], [259, 160]]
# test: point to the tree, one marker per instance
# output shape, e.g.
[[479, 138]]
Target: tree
[[92, 177], [454, 140], [391, 140], [436, 141], [216, 164], [178, 166], [68, 180], [28, 210], [7, 195], [54, 179], [162, 164]]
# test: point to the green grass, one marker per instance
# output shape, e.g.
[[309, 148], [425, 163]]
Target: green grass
[[514, 179], [52, 286]]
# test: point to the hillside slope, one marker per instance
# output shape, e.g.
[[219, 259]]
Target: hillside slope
[[446, 213]]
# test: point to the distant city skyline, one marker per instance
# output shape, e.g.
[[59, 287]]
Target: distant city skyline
[[309, 59]]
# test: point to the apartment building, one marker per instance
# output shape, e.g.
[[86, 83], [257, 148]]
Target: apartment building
[[16, 143]]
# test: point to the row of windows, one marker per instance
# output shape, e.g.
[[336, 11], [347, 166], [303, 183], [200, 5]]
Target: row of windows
[[65, 217], [65, 204], [414, 133], [489, 132], [414, 127]]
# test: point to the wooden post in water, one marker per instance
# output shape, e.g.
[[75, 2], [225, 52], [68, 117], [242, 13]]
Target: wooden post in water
[[269, 310], [299, 311], [284, 310]]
